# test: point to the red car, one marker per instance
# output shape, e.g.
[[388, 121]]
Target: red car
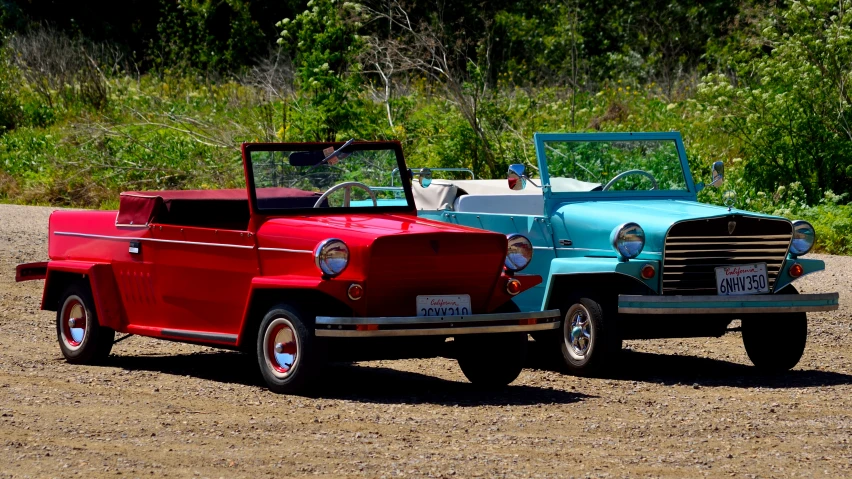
[[314, 262]]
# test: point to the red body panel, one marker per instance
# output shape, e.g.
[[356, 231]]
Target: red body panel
[[201, 280], [197, 284]]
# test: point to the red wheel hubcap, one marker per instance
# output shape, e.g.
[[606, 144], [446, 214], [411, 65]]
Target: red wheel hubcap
[[282, 348], [74, 322]]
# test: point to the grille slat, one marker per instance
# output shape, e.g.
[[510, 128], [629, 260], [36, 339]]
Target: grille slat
[[731, 237], [695, 248]]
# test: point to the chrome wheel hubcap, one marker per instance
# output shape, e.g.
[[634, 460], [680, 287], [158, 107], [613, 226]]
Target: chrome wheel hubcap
[[578, 329], [282, 347]]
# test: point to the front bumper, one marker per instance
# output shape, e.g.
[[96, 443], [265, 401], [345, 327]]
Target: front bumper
[[354, 327], [764, 303]]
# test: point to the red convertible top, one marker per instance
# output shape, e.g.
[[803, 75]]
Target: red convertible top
[[139, 208]]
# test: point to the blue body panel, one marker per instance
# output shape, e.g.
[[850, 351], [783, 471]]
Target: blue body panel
[[571, 236]]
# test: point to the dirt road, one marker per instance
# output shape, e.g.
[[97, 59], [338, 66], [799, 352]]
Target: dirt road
[[678, 408]]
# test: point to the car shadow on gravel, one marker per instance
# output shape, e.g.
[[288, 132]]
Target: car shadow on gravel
[[362, 382], [671, 369]]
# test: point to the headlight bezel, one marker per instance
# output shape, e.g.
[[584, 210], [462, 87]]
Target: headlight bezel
[[513, 241], [800, 228], [621, 243], [322, 260]]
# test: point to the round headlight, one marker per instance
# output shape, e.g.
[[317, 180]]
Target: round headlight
[[628, 240], [331, 256], [803, 237], [519, 253]]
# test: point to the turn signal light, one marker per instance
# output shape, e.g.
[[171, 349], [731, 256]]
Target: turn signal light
[[796, 270], [513, 287], [648, 271], [356, 292]]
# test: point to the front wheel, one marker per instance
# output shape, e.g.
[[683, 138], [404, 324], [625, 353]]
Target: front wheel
[[492, 360], [287, 351], [589, 341], [82, 339], [775, 343]]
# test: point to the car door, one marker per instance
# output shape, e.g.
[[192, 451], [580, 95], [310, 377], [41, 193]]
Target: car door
[[201, 280]]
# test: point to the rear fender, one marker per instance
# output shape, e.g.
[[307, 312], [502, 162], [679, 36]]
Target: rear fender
[[108, 306], [599, 276], [307, 291]]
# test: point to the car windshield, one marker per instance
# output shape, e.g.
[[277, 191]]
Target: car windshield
[[632, 165], [294, 176]]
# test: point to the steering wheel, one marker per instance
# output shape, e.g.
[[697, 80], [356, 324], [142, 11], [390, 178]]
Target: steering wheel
[[347, 193], [628, 173]]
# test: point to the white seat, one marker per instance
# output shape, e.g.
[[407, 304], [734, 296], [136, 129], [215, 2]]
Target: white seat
[[500, 204], [489, 196]]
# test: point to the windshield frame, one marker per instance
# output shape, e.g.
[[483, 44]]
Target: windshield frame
[[541, 155], [248, 148]]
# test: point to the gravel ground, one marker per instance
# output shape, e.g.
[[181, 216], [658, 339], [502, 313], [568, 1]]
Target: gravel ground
[[678, 408]]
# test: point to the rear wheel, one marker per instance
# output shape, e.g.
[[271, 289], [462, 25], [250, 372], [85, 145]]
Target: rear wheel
[[287, 350], [775, 342], [492, 360], [82, 339]]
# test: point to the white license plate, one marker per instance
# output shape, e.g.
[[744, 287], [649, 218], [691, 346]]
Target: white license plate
[[444, 305], [742, 279]]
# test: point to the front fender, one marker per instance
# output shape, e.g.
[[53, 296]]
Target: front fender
[[266, 291], [577, 268], [809, 265]]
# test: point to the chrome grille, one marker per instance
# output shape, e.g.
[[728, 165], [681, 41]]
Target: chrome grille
[[694, 249]]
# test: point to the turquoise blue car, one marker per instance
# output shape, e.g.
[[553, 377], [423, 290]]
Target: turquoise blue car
[[612, 222]]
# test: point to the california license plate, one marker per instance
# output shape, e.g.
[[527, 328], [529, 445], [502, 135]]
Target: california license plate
[[444, 305], [742, 279]]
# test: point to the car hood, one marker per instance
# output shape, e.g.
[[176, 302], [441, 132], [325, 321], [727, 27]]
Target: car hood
[[588, 224], [306, 231]]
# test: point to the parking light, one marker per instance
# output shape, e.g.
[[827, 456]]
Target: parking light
[[795, 270], [513, 286], [356, 292]]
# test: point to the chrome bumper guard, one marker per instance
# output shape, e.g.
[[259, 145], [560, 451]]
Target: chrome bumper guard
[[756, 304], [354, 327]]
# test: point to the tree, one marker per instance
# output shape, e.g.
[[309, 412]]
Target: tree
[[327, 48], [788, 99]]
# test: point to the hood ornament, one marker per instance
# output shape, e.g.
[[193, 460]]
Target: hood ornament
[[729, 198], [732, 225]]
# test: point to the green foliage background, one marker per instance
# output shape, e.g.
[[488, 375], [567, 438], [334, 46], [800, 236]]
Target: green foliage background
[[162, 96]]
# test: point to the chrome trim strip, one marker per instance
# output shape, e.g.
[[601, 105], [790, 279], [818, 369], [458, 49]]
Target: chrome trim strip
[[123, 225], [153, 240], [414, 320], [285, 250], [710, 304], [519, 328], [181, 333]]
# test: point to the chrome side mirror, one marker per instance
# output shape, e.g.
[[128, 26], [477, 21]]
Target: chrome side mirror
[[517, 178], [717, 174], [425, 177]]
